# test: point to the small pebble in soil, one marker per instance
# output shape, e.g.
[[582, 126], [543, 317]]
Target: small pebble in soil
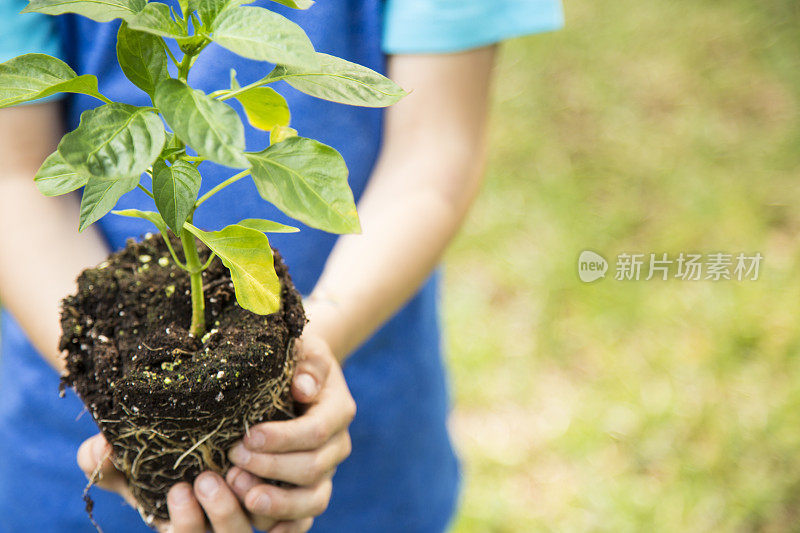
[[163, 261], [208, 335]]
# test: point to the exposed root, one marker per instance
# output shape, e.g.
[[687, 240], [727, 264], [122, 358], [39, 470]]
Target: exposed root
[[201, 441], [139, 442], [94, 478]]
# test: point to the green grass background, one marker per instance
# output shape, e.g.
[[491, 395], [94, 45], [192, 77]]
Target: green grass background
[[658, 126]]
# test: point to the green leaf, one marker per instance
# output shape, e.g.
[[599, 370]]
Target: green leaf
[[307, 180], [175, 190], [264, 107], [156, 18], [281, 133], [209, 126], [114, 141], [266, 226], [210, 9], [257, 33], [192, 45], [142, 58], [173, 148], [33, 76], [152, 216], [100, 196], [55, 177], [341, 81], [99, 10], [296, 4], [247, 254]]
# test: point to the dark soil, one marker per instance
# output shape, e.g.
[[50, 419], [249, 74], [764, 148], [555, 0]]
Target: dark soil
[[171, 404]]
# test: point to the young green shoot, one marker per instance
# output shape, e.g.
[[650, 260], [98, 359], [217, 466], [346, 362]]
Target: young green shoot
[[115, 144]]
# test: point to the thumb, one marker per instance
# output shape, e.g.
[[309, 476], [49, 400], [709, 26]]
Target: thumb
[[94, 458], [314, 360]]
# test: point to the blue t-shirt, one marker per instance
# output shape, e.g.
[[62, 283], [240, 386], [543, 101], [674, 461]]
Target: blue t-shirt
[[402, 474]]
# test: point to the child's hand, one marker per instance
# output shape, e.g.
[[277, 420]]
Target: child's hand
[[304, 451]]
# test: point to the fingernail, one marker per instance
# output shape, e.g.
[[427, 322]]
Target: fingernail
[[261, 504], [180, 495], [241, 482], [207, 486], [240, 455], [306, 384], [255, 440]]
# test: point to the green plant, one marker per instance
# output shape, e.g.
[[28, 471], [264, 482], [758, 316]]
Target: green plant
[[116, 144]]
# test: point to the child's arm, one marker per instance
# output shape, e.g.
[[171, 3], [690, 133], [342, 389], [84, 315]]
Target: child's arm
[[428, 174], [41, 253]]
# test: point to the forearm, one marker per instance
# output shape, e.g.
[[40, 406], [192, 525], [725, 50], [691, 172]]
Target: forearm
[[42, 252], [369, 276], [427, 177]]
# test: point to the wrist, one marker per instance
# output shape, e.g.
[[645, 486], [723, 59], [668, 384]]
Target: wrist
[[325, 320]]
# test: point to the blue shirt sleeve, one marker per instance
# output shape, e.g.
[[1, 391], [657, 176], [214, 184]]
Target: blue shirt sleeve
[[440, 26], [25, 34]]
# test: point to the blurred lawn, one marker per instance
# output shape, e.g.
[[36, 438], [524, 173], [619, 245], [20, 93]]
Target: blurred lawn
[[639, 406]]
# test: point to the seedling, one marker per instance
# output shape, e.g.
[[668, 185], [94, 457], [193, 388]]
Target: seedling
[[117, 144], [172, 403]]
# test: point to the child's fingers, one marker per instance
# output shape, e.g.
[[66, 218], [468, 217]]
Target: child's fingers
[[94, 458]]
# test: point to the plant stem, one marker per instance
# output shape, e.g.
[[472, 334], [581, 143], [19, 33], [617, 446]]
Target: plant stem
[[183, 68], [172, 252], [215, 190], [208, 263], [148, 193], [263, 81], [170, 54], [198, 326], [197, 25]]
